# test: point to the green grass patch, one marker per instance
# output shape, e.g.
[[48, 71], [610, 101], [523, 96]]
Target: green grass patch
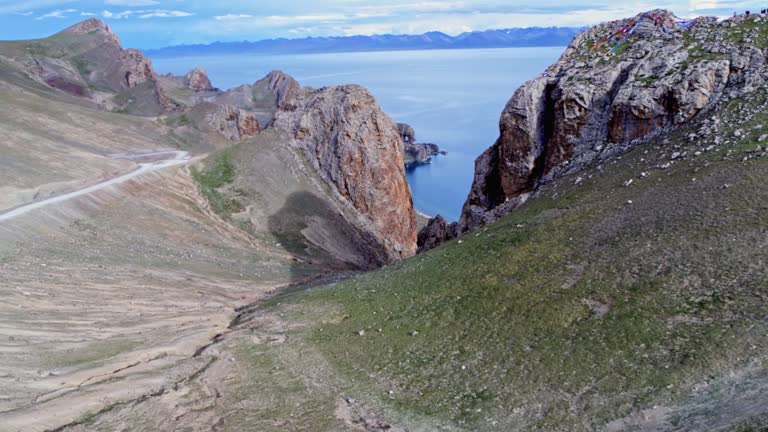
[[647, 80], [218, 173], [575, 310]]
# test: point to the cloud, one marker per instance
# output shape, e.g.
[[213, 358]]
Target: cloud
[[306, 18], [165, 14], [59, 13], [146, 14], [131, 3], [87, 14], [696, 5], [28, 5], [232, 17]]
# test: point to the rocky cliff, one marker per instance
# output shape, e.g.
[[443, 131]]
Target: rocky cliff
[[356, 148], [616, 85]]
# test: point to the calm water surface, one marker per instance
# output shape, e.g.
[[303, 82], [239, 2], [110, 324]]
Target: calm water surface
[[452, 98]]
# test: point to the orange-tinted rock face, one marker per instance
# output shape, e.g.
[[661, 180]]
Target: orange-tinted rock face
[[354, 146]]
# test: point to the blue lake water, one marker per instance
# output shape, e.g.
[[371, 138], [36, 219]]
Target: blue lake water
[[452, 98]]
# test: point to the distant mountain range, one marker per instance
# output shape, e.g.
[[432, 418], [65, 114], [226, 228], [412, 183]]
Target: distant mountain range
[[506, 38]]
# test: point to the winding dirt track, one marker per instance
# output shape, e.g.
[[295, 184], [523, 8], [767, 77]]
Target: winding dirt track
[[178, 158], [107, 297]]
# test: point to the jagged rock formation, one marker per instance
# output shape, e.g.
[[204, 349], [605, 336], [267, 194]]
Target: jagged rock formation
[[415, 153], [198, 80], [406, 133], [264, 97], [284, 88], [87, 61], [232, 122], [607, 93], [438, 231], [138, 69], [357, 149]]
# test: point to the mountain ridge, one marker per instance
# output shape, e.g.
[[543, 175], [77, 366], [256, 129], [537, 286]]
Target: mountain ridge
[[502, 38]]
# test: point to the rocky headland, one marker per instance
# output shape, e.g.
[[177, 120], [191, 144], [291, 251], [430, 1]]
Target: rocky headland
[[416, 154], [617, 85]]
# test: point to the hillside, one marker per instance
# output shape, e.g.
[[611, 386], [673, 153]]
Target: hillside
[[628, 293], [139, 211], [594, 306], [609, 273], [504, 38]]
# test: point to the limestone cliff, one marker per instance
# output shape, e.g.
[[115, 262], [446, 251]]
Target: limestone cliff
[[356, 148], [616, 84]]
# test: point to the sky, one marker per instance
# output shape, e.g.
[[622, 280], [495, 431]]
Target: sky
[[157, 23]]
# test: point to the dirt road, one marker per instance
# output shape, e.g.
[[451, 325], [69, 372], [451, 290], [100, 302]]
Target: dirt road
[[176, 158]]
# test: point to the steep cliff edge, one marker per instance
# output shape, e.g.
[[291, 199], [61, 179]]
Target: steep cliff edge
[[616, 85], [356, 148]]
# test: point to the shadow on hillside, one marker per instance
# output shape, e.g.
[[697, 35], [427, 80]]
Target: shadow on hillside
[[320, 240]]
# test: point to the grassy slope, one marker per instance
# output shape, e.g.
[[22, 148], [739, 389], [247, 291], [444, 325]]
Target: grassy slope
[[574, 311]]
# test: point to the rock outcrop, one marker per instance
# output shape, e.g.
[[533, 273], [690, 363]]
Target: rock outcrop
[[356, 148], [233, 123], [407, 133], [91, 26], [284, 88], [88, 61], [419, 154], [605, 95], [136, 68], [438, 231], [415, 153], [198, 80]]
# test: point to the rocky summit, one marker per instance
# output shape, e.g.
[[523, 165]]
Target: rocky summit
[[617, 84]]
